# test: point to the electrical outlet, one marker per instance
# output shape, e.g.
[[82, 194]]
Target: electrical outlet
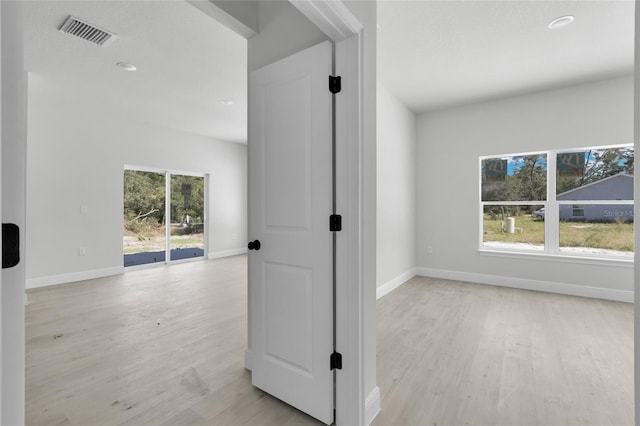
[[429, 250], [84, 209], [82, 251]]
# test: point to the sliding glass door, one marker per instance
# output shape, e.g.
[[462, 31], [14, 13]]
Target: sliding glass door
[[186, 237], [151, 201], [144, 239]]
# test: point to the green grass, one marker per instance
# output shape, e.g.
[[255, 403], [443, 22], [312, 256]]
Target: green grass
[[187, 241], [143, 248], [157, 244], [532, 230], [153, 239], [610, 236]]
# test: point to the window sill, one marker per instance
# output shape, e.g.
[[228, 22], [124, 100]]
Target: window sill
[[563, 258]]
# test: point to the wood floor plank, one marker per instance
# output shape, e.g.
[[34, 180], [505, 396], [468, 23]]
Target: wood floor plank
[[452, 353], [165, 346], [158, 346]]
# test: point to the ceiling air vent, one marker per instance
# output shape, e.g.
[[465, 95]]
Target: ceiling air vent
[[84, 30]]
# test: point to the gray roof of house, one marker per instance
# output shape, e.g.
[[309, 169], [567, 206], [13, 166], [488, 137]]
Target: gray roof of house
[[610, 189]]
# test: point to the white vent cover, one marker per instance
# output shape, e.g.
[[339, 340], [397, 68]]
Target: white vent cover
[[84, 30]]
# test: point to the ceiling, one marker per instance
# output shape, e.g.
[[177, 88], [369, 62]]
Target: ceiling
[[432, 55], [439, 54], [187, 63]]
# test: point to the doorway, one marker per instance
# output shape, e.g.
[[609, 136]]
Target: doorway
[[112, 155], [163, 216]]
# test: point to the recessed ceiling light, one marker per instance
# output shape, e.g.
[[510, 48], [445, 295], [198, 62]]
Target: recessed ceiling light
[[561, 22], [226, 102], [126, 66]]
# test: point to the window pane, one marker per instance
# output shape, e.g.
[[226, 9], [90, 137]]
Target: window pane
[[515, 178], [577, 210], [597, 229], [509, 227], [144, 221], [187, 217], [595, 174]]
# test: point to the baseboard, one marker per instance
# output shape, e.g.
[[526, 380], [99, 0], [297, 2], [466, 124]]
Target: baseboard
[[389, 286], [247, 359], [73, 277], [525, 284], [372, 406], [226, 253]]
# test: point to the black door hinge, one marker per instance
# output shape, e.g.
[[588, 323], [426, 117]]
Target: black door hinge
[[336, 361], [335, 223], [335, 84]]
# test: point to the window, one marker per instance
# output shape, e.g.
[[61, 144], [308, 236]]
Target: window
[[513, 187], [577, 210], [575, 202]]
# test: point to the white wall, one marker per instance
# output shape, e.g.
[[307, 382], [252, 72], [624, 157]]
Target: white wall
[[396, 191], [283, 32], [245, 12], [449, 143], [77, 149]]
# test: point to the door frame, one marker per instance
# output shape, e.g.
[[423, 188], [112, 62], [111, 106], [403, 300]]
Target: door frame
[[341, 26], [13, 92]]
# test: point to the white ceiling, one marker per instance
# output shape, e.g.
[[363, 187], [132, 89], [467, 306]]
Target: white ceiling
[[187, 62], [437, 54], [432, 55]]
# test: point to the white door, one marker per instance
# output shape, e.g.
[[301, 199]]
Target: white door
[[290, 202]]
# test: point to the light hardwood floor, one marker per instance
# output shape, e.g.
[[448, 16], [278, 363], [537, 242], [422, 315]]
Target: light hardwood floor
[[165, 346], [452, 353], [161, 346]]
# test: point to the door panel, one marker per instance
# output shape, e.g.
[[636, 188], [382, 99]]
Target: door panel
[[293, 285], [144, 233], [187, 212], [288, 103], [290, 201]]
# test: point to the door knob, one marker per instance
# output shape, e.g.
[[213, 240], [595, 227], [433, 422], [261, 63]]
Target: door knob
[[254, 245]]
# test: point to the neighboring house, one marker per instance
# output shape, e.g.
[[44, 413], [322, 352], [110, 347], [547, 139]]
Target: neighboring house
[[617, 187]]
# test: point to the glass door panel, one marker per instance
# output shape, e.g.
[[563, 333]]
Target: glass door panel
[[187, 217], [144, 234]]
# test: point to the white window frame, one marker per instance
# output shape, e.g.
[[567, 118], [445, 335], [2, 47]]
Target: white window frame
[[552, 249]]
